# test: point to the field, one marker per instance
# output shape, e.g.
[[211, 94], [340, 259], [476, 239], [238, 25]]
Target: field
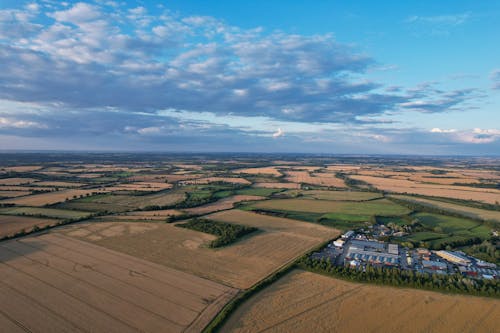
[[308, 302], [443, 229], [240, 265], [13, 194], [461, 209], [226, 203], [17, 181], [89, 288], [256, 171], [321, 179], [45, 212], [278, 185], [374, 207], [10, 225], [120, 203], [208, 180], [341, 195], [487, 195], [43, 199]]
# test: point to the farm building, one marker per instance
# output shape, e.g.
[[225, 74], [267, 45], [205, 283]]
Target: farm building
[[434, 265]]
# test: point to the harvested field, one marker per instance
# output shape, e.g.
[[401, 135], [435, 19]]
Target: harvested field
[[278, 185], [307, 302], [375, 207], [342, 167], [49, 198], [464, 210], [256, 171], [226, 203], [89, 288], [23, 168], [46, 212], [13, 194], [341, 195], [240, 265], [10, 225], [458, 192], [140, 186], [141, 201], [208, 180], [17, 181], [320, 179]]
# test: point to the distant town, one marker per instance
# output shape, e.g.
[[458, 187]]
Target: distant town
[[359, 250]]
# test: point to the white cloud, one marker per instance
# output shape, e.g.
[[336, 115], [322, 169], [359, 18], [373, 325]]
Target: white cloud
[[13, 123], [439, 130], [279, 133]]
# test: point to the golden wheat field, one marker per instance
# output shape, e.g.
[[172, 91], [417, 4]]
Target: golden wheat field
[[10, 225], [43, 199], [273, 171], [17, 181], [308, 302], [458, 192], [239, 265], [321, 179], [464, 210], [54, 283]]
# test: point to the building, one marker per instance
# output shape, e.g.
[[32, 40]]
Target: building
[[371, 252], [348, 234], [434, 265], [454, 257], [339, 243], [393, 249]]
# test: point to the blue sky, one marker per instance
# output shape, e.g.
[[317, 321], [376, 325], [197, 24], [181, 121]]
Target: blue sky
[[408, 77]]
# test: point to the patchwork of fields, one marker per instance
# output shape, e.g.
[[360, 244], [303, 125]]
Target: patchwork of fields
[[128, 267]]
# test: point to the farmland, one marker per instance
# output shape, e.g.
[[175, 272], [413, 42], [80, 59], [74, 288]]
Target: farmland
[[11, 225], [240, 265], [45, 212], [163, 242], [308, 302], [461, 209], [89, 288], [486, 195], [375, 207]]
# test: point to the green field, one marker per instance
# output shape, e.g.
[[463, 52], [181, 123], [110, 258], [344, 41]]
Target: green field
[[446, 224], [397, 220], [441, 230], [263, 192], [341, 195], [381, 207], [45, 212]]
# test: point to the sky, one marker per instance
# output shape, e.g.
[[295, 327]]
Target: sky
[[334, 77]]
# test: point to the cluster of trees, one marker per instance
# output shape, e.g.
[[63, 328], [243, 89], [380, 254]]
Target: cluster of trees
[[226, 233], [487, 250], [455, 283]]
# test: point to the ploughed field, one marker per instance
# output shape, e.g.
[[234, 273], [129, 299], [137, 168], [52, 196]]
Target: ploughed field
[[54, 283], [240, 265], [308, 302]]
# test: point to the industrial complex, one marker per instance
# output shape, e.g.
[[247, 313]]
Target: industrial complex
[[358, 250]]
